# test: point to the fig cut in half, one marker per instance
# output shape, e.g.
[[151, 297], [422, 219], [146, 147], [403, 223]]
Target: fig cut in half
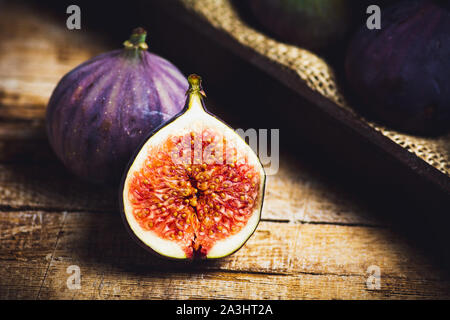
[[195, 188]]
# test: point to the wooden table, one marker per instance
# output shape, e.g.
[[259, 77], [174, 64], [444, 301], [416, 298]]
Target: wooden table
[[315, 241]]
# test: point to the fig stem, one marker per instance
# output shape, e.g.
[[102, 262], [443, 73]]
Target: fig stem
[[195, 94], [195, 85], [137, 40]]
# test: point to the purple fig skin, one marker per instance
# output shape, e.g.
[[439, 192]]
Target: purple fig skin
[[401, 73], [101, 111]]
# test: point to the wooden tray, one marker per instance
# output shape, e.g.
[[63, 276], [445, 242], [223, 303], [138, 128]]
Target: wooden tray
[[304, 87]]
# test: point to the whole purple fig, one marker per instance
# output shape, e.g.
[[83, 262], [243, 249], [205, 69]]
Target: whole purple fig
[[101, 111], [401, 73]]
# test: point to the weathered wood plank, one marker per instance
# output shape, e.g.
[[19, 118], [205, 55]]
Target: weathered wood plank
[[49, 186], [46, 184], [24, 142], [113, 284], [35, 52], [297, 193], [100, 238], [27, 240], [281, 260]]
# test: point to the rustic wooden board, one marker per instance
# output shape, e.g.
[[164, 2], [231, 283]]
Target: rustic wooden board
[[316, 241], [289, 198], [290, 261]]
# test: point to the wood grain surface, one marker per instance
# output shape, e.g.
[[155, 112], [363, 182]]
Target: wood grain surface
[[316, 240]]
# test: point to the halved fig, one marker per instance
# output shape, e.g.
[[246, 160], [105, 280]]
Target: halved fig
[[194, 188]]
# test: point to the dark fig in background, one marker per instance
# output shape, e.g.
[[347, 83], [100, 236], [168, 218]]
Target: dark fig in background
[[311, 24], [401, 73], [101, 111]]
